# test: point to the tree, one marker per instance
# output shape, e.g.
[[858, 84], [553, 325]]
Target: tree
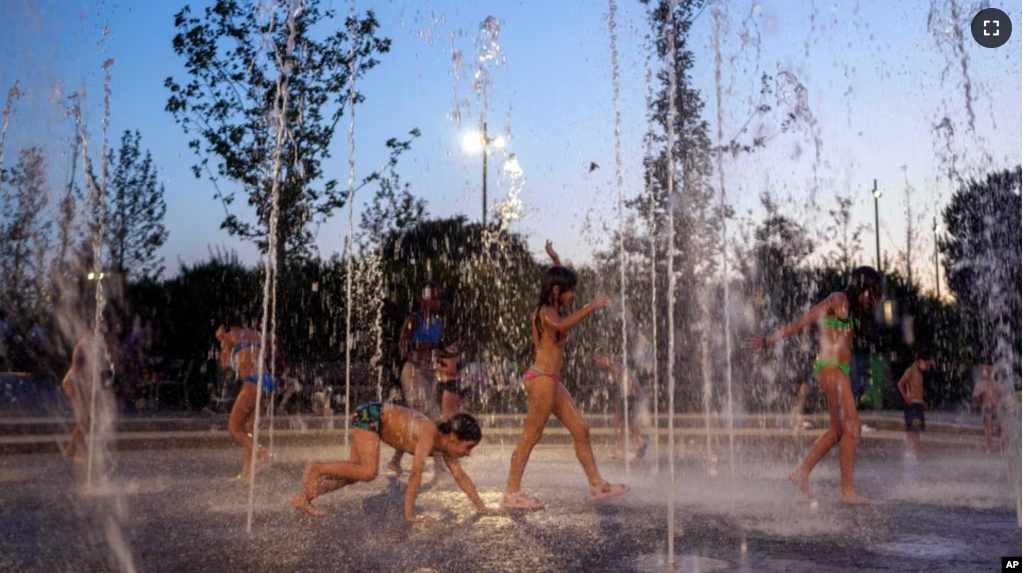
[[248, 71], [135, 212], [982, 260], [688, 203], [24, 235], [844, 236], [914, 221], [393, 209]]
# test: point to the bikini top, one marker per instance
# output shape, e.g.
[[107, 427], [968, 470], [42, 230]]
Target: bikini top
[[848, 323], [243, 345], [427, 332]]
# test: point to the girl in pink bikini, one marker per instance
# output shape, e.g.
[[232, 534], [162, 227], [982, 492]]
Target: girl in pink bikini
[[547, 395]]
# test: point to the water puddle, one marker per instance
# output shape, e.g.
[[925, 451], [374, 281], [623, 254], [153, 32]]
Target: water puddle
[[921, 547]]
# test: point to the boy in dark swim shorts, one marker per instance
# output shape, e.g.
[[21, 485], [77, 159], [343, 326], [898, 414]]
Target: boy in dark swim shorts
[[911, 386]]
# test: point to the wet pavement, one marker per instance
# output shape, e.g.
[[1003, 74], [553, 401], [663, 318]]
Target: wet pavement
[[173, 509]]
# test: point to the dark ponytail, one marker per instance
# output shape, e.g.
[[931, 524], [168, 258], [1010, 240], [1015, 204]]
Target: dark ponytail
[[463, 426]]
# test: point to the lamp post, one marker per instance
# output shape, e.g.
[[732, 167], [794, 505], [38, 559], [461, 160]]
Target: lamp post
[[877, 225], [473, 141], [937, 277]]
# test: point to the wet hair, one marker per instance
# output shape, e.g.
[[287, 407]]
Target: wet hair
[[233, 319], [924, 354], [864, 279], [560, 277], [433, 286], [463, 426]]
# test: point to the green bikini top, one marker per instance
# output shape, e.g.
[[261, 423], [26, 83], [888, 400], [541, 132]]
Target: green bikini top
[[849, 323]]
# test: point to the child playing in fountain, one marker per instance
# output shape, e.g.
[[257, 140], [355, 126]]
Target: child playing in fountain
[[92, 356], [419, 344], [911, 386], [989, 394], [240, 348], [635, 397], [545, 392], [405, 430], [839, 316], [450, 394]]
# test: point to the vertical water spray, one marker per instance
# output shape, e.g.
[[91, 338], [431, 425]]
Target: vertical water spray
[[97, 197], [351, 215], [11, 94], [615, 85], [653, 254], [273, 350], [945, 23], [671, 34], [279, 119], [716, 42], [102, 411], [374, 262]]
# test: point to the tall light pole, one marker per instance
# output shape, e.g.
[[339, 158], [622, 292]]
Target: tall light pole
[[481, 141], [877, 225], [937, 279]]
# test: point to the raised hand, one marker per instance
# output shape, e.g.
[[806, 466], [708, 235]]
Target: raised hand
[[601, 300], [549, 247], [756, 343]]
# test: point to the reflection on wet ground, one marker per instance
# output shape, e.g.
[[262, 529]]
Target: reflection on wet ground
[[951, 510]]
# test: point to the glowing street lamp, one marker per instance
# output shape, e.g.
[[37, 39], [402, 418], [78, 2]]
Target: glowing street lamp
[[473, 142], [877, 225]]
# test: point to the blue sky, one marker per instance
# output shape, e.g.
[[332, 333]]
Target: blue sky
[[877, 79]]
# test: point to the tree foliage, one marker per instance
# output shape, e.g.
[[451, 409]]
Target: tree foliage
[[250, 68], [982, 262], [135, 212], [24, 235]]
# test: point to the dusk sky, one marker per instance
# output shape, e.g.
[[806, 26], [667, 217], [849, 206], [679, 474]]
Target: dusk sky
[[878, 77]]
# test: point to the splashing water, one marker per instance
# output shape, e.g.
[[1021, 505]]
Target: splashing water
[[616, 88], [946, 21], [98, 481], [351, 224], [669, 33], [278, 118], [717, 18]]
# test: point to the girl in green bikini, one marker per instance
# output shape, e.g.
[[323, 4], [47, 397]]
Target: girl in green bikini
[[839, 317]]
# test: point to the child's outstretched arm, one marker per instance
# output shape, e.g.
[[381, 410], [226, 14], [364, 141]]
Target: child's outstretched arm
[[466, 485], [551, 316], [819, 311], [415, 478]]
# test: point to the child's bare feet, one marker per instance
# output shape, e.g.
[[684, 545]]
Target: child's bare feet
[[394, 467], [300, 502], [801, 479], [240, 478], [853, 498], [606, 490]]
